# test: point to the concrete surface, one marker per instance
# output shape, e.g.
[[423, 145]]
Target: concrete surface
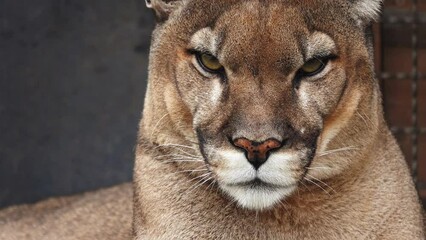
[[72, 82]]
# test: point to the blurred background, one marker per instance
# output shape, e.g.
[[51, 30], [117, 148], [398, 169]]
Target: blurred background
[[400, 55], [72, 83]]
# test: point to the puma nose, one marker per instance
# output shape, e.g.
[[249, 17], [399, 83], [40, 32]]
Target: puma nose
[[257, 152]]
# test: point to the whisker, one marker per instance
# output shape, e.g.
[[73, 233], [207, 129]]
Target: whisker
[[305, 186], [283, 203], [205, 189], [199, 183], [175, 145], [193, 142], [200, 169], [211, 185], [157, 124], [319, 167], [181, 160], [187, 153], [350, 148], [176, 156], [179, 148], [208, 186], [362, 117], [196, 170], [168, 160], [367, 120], [317, 185], [316, 179], [231, 202], [198, 177]]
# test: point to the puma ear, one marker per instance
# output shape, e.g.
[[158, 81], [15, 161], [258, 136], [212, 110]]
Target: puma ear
[[366, 11], [162, 8]]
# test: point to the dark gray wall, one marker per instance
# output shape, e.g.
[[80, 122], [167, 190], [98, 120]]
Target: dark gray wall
[[72, 82]]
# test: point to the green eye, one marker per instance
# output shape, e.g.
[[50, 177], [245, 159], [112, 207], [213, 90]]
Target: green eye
[[312, 67], [209, 62]]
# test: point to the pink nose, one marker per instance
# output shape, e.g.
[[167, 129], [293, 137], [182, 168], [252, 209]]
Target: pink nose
[[257, 152]]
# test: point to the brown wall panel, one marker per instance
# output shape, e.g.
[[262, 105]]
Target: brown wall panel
[[397, 59], [396, 50], [421, 64], [398, 4], [397, 101], [422, 159], [421, 108]]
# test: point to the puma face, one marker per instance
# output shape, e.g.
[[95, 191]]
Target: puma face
[[260, 81]]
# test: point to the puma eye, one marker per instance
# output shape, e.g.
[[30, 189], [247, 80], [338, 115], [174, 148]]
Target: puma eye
[[312, 67], [209, 62]]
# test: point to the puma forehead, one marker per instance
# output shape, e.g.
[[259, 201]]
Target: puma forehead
[[316, 44]]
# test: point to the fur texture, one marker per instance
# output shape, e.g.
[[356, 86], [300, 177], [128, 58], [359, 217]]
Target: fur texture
[[104, 214], [339, 173]]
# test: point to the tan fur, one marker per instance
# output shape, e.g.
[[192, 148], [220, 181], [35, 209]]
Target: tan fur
[[362, 192], [347, 177], [104, 214]]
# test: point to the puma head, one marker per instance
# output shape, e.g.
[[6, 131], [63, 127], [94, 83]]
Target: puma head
[[264, 88]]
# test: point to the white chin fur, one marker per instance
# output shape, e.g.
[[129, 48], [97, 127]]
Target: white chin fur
[[257, 198]]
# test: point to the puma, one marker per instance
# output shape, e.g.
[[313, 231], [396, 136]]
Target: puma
[[262, 120]]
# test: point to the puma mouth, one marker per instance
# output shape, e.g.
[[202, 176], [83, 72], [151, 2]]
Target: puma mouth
[[259, 184]]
